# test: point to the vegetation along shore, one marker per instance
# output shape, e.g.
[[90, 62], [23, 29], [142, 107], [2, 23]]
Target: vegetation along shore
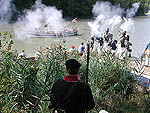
[[25, 85], [119, 84]]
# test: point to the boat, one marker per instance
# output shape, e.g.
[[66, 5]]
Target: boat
[[51, 34]]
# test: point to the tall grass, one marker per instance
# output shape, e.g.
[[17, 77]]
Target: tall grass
[[25, 85]]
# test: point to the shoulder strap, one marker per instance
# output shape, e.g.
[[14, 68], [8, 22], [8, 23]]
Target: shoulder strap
[[66, 100]]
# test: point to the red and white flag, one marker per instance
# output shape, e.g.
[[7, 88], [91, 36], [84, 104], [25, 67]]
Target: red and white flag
[[74, 20]]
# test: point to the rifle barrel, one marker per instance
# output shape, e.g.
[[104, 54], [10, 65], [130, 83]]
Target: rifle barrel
[[87, 68]]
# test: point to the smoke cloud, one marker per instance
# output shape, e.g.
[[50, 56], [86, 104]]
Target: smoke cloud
[[36, 19], [132, 11], [108, 16], [6, 11], [128, 24]]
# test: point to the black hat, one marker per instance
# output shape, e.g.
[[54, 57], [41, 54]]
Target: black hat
[[72, 64]]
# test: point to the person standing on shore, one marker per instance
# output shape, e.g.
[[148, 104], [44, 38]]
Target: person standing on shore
[[70, 95], [72, 48], [121, 49], [114, 47], [81, 49], [147, 54], [37, 55], [127, 45], [108, 37], [22, 54]]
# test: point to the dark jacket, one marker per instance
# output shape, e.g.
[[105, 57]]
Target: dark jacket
[[74, 97]]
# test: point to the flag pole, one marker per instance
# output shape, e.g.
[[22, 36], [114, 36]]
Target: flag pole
[[73, 21]]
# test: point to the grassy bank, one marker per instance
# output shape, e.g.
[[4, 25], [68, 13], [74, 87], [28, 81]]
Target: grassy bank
[[25, 84]]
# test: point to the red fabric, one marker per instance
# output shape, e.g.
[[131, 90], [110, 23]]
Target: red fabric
[[71, 78], [73, 47]]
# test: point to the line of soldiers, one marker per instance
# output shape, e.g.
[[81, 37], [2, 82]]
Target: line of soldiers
[[119, 48]]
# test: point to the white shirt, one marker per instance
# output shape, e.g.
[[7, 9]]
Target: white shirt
[[22, 55]]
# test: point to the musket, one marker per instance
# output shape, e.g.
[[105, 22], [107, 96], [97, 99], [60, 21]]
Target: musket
[[87, 65], [118, 30], [85, 29], [82, 38]]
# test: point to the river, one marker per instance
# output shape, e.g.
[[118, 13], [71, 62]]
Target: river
[[139, 38]]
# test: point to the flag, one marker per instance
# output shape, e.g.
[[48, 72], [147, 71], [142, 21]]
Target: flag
[[74, 20]]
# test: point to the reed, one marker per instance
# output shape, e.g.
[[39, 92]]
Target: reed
[[25, 85]]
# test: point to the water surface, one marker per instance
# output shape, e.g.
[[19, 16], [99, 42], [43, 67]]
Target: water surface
[[139, 38]]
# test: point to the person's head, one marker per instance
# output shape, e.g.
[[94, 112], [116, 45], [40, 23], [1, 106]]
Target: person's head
[[23, 51], [82, 43], [92, 38], [59, 47], [115, 41], [107, 30], [124, 33], [72, 66], [64, 41]]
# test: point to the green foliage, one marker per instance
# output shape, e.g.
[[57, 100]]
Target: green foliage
[[25, 84], [80, 8], [110, 81], [19, 88]]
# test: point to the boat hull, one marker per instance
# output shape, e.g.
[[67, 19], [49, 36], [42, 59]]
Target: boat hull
[[49, 35]]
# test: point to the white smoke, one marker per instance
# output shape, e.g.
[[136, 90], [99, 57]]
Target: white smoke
[[128, 24], [106, 16], [37, 18], [132, 11], [5, 11]]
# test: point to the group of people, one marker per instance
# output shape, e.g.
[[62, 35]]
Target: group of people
[[105, 43], [81, 49], [70, 95]]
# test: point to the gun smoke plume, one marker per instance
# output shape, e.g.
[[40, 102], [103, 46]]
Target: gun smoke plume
[[6, 11], [37, 17], [108, 16]]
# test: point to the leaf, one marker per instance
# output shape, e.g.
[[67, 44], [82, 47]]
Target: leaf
[[4, 39], [6, 33], [11, 42], [10, 36]]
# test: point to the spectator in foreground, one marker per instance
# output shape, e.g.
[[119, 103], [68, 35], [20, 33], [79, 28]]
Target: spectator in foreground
[[70, 95]]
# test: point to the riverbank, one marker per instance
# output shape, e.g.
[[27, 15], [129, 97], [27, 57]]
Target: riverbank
[[148, 13], [138, 66], [30, 82]]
